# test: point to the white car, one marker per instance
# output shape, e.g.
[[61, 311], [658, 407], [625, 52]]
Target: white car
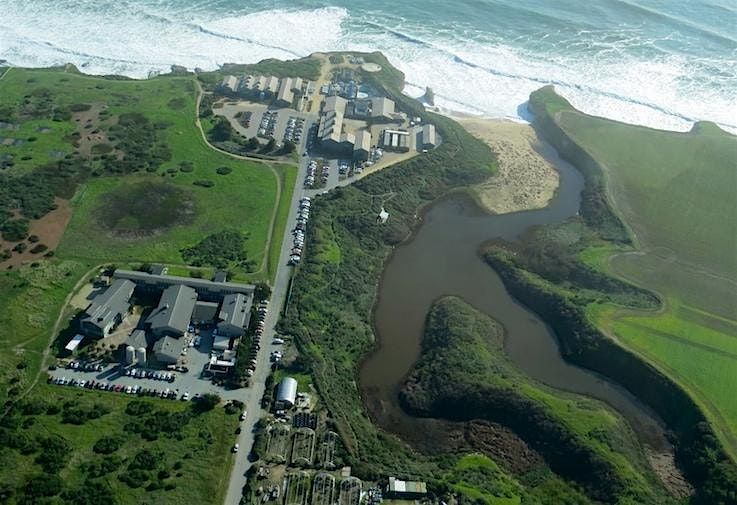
[[278, 341], [236, 447], [243, 415]]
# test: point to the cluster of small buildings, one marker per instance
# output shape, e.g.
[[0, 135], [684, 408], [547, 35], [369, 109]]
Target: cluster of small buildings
[[182, 302], [334, 137], [267, 87], [331, 132]]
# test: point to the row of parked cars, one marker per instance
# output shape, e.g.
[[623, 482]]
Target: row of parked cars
[[118, 388], [150, 374], [268, 124], [293, 132], [299, 230], [84, 366], [310, 177], [261, 311]]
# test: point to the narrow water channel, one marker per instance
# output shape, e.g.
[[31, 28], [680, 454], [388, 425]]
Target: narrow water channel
[[442, 259]]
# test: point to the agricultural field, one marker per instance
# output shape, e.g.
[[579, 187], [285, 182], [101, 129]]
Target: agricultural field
[[277, 442], [98, 141], [677, 194]]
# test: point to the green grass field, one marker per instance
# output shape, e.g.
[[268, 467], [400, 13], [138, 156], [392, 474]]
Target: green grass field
[[253, 198], [677, 192], [243, 200]]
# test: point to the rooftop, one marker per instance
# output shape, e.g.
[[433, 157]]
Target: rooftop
[[197, 284], [106, 306], [175, 309]]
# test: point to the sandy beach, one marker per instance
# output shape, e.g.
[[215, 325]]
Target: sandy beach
[[525, 180]]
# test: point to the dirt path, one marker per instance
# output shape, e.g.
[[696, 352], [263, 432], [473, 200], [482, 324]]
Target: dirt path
[[269, 164], [5, 73]]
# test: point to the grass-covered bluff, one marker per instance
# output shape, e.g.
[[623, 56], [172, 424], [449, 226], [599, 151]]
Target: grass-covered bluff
[[463, 374]]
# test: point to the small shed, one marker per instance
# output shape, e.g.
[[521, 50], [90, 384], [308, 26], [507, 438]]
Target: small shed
[[74, 342]]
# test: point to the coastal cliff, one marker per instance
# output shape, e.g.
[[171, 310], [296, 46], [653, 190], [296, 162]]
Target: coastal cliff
[[560, 303]]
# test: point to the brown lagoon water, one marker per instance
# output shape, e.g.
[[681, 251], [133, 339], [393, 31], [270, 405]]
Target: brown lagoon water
[[442, 259]]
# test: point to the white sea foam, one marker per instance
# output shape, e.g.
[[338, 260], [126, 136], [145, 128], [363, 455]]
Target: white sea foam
[[490, 77]]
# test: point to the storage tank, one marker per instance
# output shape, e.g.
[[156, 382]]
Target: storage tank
[[141, 356], [130, 355]]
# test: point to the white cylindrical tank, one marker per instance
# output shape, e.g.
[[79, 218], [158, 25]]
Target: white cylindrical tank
[[141, 356], [130, 355]]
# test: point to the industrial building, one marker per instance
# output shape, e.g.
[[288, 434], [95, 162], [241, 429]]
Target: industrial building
[[107, 309], [206, 290], [205, 312], [395, 140], [168, 349], [362, 146], [406, 490], [182, 301], [286, 393], [429, 136], [174, 313], [235, 313]]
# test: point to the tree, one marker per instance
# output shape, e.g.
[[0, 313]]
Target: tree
[[222, 131], [205, 403], [262, 291], [252, 144], [270, 145]]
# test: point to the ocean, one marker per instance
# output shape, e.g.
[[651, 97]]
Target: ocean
[[659, 63]]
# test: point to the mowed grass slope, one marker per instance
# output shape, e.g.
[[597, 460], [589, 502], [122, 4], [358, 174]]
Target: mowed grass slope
[[678, 194], [243, 199]]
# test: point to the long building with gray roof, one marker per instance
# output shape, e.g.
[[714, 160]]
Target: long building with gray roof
[[174, 313], [108, 309], [206, 290]]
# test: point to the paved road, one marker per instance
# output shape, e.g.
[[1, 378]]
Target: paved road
[[253, 395]]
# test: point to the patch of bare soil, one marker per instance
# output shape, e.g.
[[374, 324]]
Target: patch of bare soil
[[93, 138], [49, 230], [525, 180], [664, 466]]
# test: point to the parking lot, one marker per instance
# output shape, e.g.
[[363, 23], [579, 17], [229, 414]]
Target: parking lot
[[257, 120], [190, 381]]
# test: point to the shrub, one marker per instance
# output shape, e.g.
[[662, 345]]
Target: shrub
[[205, 403], [108, 444], [205, 183], [224, 170], [39, 248], [14, 230]]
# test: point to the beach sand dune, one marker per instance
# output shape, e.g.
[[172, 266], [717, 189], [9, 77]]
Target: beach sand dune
[[525, 179]]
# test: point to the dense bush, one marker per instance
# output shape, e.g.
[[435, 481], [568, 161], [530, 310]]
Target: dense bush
[[81, 413], [54, 453], [14, 230], [220, 250], [205, 403], [108, 444]]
